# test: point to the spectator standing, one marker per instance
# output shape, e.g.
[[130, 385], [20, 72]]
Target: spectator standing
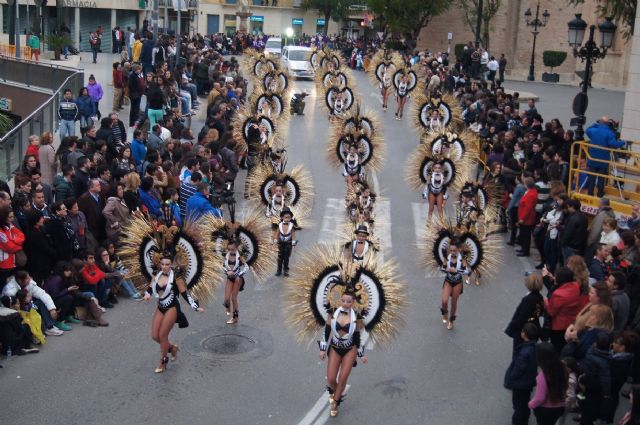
[[47, 156], [60, 231], [86, 110], [574, 235], [96, 93], [41, 255], [68, 113], [95, 40], [529, 310], [136, 86], [520, 377], [11, 241], [91, 203], [604, 211], [502, 65], [562, 305], [34, 44], [551, 386], [78, 222], [116, 213], [601, 134], [527, 216], [81, 177], [617, 282], [118, 86]]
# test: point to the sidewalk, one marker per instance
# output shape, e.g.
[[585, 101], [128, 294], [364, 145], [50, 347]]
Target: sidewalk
[[102, 71]]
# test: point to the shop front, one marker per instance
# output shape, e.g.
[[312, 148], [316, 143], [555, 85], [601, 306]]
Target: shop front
[[256, 24], [296, 25]]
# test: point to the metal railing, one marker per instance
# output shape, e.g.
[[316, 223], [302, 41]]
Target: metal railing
[[13, 145], [621, 180]]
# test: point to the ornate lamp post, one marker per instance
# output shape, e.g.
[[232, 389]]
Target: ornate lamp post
[[535, 23], [588, 53]]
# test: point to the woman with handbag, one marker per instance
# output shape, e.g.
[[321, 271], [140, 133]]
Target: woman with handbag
[[529, 310]]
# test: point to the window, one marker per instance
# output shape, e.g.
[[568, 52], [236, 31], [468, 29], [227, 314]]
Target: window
[[298, 55]]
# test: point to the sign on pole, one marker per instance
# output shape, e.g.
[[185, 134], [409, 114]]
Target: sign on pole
[[450, 36]]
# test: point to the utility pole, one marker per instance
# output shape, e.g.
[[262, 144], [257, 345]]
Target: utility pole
[[17, 29], [154, 17]]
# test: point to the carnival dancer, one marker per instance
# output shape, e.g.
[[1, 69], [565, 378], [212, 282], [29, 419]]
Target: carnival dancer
[[435, 191], [235, 267], [455, 268], [435, 113], [382, 67], [284, 235], [167, 262], [167, 288], [358, 249], [343, 342], [404, 81], [353, 171], [458, 252], [346, 304]]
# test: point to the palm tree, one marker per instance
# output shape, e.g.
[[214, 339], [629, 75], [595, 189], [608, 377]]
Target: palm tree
[[6, 124]]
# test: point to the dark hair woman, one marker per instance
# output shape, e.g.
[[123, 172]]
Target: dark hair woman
[[11, 241], [41, 255], [60, 231], [167, 288], [341, 344], [551, 385], [563, 304]]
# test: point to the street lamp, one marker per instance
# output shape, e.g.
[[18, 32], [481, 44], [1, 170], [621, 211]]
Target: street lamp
[[535, 23], [289, 33], [588, 53]]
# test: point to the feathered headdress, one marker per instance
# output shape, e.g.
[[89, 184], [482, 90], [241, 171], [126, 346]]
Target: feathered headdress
[[423, 107], [420, 165], [319, 280], [193, 256]]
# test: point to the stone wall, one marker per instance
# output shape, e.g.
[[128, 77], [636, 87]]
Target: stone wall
[[631, 115]]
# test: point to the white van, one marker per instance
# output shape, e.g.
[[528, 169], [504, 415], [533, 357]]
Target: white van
[[296, 60], [273, 47]]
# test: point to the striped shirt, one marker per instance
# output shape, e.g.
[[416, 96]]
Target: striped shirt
[[543, 194], [187, 189]]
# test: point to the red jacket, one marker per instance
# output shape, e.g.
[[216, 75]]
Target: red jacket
[[33, 150], [91, 274], [11, 240], [118, 79], [527, 207], [564, 305]]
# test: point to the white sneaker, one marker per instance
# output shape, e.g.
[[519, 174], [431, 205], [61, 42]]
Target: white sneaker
[[53, 331]]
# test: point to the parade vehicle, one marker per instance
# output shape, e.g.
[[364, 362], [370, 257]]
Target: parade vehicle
[[296, 60], [273, 47]]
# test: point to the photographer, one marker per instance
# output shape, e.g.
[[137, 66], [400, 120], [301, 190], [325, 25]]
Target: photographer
[[603, 134]]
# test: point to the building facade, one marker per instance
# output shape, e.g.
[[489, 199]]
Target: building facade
[[510, 35]]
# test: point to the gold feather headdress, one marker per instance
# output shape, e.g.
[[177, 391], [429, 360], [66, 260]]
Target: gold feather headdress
[[252, 233], [193, 256], [422, 107], [420, 164], [318, 281]]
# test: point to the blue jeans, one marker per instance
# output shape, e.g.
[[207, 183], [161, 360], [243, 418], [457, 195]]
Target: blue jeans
[[104, 288], [67, 128], [566, 253], [128, 288], [47, 321], [95, 53], [600, 169], [96, 105]]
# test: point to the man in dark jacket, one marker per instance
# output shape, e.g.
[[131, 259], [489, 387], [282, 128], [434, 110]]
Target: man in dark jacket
[[520, 377], [596, 367], [601, 134], [146, 57], [575, 232], [81, 178], [91, 203], [136, 85]]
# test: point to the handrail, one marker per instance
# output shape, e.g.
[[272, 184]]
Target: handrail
[[4, 138], [40, 63], [580, 152]]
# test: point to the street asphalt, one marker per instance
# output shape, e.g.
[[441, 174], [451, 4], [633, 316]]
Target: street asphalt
[[255, 372]]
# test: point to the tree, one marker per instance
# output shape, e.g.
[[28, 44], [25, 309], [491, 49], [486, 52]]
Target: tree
[[620, 10], [329, 9], [407, 17], [470, 13]]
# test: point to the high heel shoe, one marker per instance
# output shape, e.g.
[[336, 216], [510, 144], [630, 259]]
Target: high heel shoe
[[174, 352], [450, 322], [228, 307], [234, 319], [163, 365], [333, 406]]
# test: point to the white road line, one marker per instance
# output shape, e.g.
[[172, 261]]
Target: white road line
[[316, 411], [376, 183], [334, 218], [420, 212]]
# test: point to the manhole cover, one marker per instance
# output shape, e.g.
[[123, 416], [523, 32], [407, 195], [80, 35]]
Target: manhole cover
[[221, 344], [229, 344]]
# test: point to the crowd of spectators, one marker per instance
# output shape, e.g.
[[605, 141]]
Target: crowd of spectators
[[61, 225]]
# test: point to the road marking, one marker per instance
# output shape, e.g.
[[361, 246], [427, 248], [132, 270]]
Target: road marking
[[316, 411], [420, 213], [376, 183], [334, 218]]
